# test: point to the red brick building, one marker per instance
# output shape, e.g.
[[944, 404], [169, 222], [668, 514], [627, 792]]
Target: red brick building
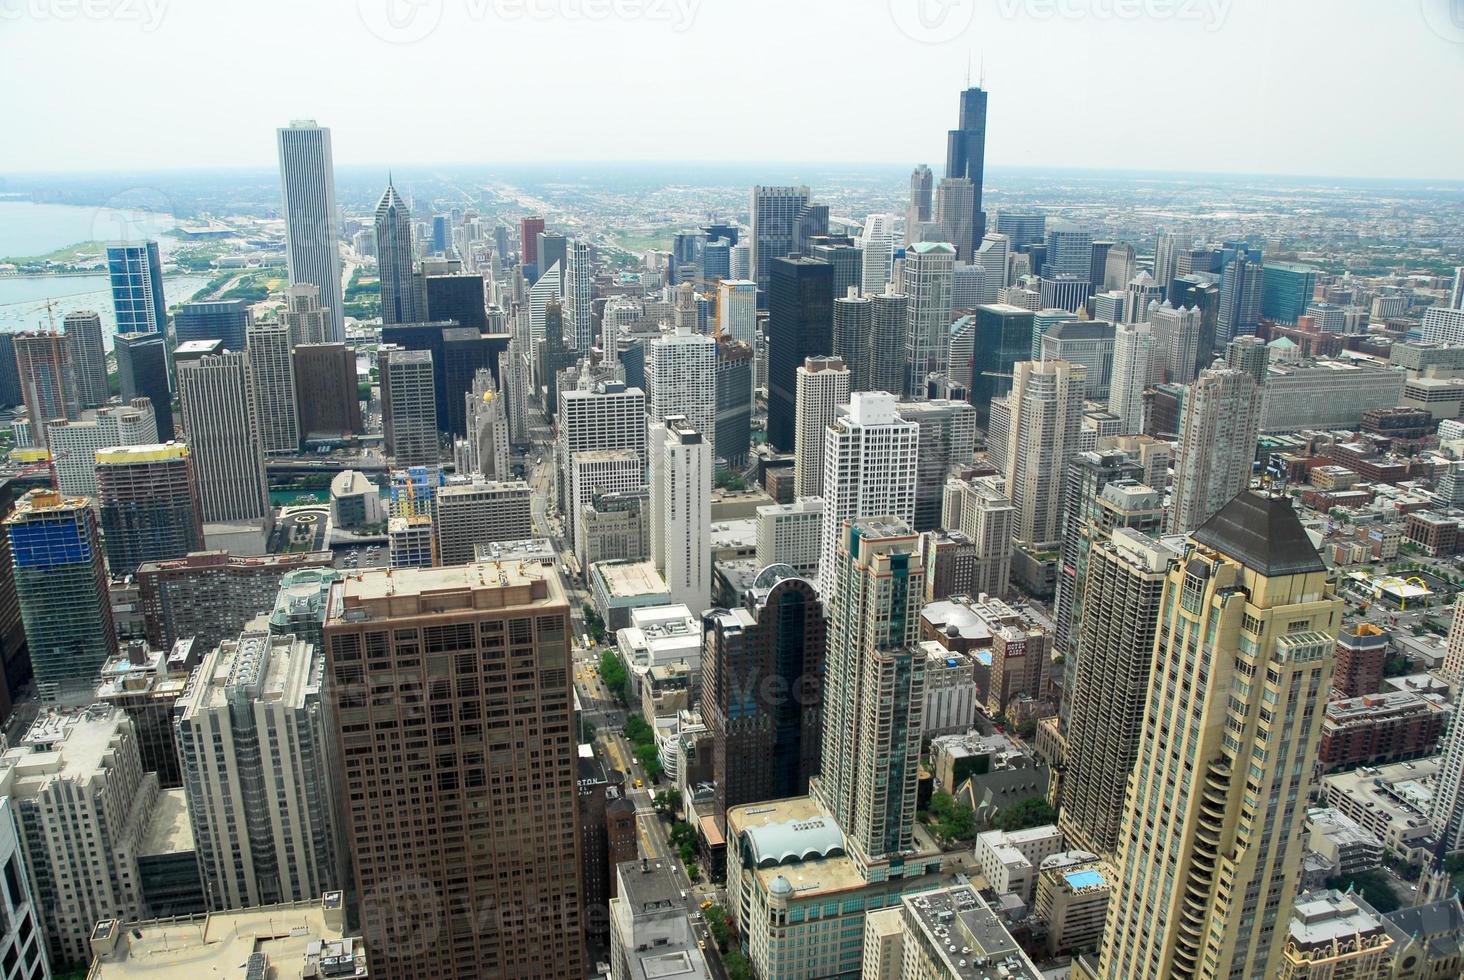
[[1377, 728], [1362, 652]]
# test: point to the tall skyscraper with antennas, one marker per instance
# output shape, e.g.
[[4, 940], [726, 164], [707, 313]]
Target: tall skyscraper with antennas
[[966, 153]]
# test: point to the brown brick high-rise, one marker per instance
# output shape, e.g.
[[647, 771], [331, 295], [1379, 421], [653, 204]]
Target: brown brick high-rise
[[455, 714]]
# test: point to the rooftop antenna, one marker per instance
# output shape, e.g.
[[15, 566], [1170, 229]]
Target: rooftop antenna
[[982, 80], [968, 68]]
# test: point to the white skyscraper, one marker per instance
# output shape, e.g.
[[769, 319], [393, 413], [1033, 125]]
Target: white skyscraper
[[307, 320], [254, 743], [737, 310], [741, 261], [968, 288], [681, 370], [546, 290], [993, 255], [1132, 351], [600, 471], [218, 417], [1118, 267], [1166, 259], [1137, 295], [408, 406], [74, 443], [1443, 326], [481, 512], [822, 386], [312, 248], [394, 260], [921, 209], [1176, 342], [681, 510], [870, 458], [1218, 428], [1046, 413], [1456, 291], [879, 253], [929, 272], [579, 327], [603, 415], [272, 380], [84, 334], [80, 796]]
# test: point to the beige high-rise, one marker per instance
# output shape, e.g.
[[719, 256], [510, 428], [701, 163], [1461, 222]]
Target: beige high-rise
[[459, 758], [1210, 846], [1046, 406], [822, 386], [1218, 429]]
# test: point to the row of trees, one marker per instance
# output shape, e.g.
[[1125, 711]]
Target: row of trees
[[642, 738]]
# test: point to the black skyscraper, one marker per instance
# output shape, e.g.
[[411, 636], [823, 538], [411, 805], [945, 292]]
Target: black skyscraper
[[966, 150], [457, 296], [762, 691], [10, 393], [457, 354], [800, 325], [142, 372]]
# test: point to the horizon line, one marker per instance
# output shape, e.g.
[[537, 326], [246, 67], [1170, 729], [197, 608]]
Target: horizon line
[[396, 167]]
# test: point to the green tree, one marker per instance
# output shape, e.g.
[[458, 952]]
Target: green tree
[[1034, 811], [594, 625], [692, 870], [650, 759], [719, 927], [615, 679], [681, 833], [636, 730], [737, 966], [950, 819], [667, 801], [1373, 885]]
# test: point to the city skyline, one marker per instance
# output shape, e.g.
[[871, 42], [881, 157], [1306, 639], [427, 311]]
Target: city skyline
[[909, 570]]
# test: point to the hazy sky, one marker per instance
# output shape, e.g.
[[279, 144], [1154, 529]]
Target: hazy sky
[[1344, 87]]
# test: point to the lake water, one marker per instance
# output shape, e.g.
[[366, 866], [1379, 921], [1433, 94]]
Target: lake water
[[23, 300], [28, 229]]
